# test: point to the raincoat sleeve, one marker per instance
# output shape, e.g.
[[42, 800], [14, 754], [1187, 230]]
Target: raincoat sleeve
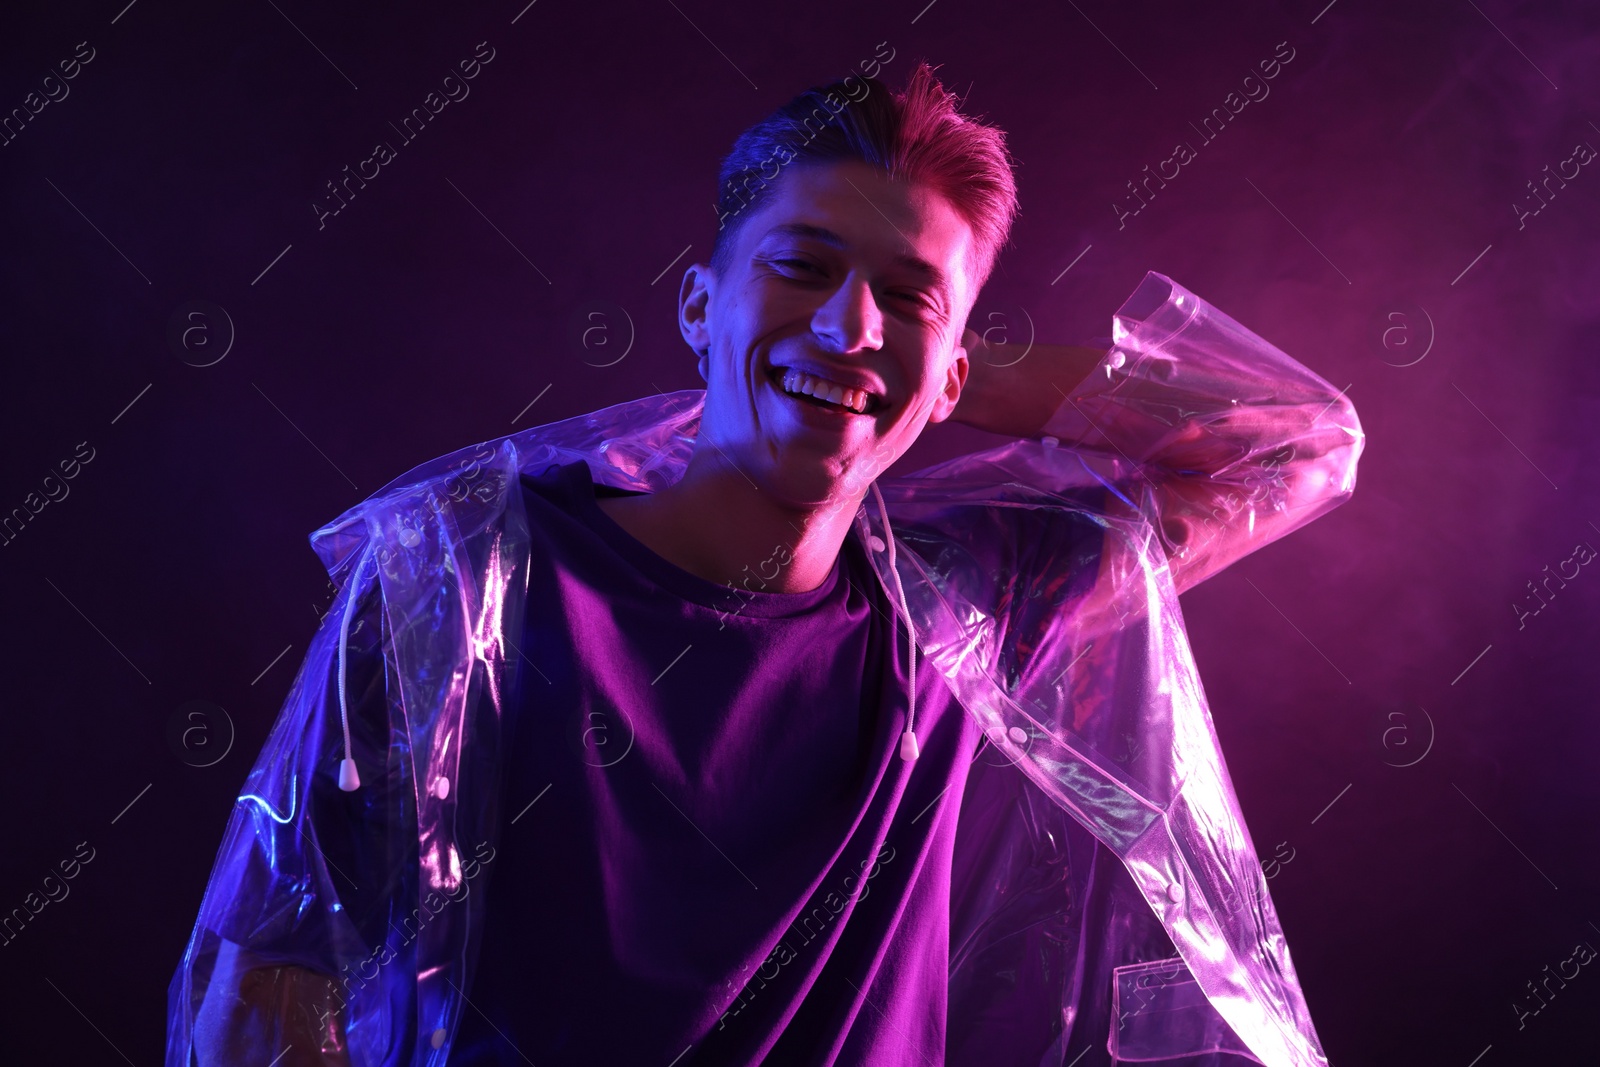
[[282, 958], [1237, 443], [1053, 567]]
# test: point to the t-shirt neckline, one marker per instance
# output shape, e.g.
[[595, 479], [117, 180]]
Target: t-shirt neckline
[[726, 599]]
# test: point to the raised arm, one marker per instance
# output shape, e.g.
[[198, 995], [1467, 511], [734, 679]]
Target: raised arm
[[1237, 443]]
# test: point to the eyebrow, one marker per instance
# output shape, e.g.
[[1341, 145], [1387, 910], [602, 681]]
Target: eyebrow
[[932, 273]]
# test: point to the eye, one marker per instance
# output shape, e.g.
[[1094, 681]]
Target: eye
[[916, 299]]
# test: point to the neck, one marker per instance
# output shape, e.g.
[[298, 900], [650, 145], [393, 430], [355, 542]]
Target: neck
[[716, 524]]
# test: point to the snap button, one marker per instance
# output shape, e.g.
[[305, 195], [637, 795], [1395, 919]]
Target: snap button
[[1049, 442], [437, 1040], [1018, 734], [1117, 359], [876, 542], [409, 537], [1175, 892], [441, 787]]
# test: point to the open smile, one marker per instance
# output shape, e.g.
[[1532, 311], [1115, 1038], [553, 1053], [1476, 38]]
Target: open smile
[[812, 390]]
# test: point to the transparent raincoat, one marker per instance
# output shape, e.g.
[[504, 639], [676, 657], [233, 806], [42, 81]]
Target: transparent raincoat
[[1106, 895]]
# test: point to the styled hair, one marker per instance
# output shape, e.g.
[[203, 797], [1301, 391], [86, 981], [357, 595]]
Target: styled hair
[[915, 135]]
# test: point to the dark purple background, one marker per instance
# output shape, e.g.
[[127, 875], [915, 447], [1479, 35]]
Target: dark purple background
[[1372, 188]]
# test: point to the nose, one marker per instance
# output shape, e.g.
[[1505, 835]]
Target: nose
[[850, 320]]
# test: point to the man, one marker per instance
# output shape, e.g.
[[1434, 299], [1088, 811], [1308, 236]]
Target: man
[[675, 733]]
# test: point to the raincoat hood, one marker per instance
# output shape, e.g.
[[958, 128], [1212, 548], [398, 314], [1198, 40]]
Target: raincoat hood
[[1042, 580]]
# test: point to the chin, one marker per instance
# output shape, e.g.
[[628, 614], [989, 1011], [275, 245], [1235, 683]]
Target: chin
[[803, 484]]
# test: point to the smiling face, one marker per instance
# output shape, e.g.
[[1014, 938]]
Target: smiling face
[[840, 275]]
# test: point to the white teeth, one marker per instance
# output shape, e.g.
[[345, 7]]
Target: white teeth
[[810, 385]]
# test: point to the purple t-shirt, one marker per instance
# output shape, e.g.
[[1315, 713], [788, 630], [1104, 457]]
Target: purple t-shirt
[[712, 853]]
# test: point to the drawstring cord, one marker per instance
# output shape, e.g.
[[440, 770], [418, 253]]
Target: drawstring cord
[[908, 740], [349, 780]]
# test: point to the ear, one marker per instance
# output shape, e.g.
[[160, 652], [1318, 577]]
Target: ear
[[694, 302], [955, 378]]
